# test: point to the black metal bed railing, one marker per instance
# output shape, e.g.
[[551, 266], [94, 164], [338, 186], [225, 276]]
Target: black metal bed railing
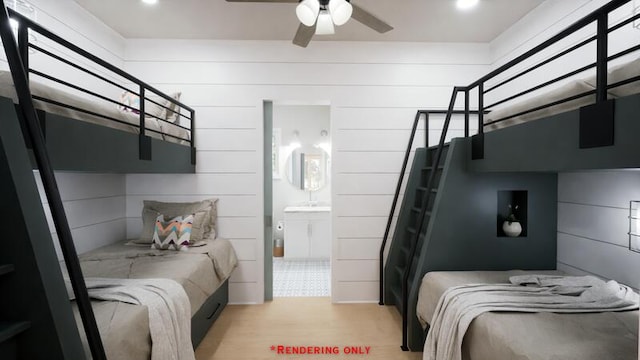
[[34, 134], [600, 17], [175, 108]]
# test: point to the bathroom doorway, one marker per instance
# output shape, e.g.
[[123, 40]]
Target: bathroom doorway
[[301, 200]]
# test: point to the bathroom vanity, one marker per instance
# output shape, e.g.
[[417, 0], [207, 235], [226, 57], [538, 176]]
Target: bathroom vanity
[[307, 232]]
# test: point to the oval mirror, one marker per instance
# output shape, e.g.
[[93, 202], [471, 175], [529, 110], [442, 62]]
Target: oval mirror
[[308, 169]]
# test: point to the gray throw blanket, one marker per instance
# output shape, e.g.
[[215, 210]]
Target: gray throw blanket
[[459, 305], [169, 311]]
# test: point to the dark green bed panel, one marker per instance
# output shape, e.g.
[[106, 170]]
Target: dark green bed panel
[[209, 313], [35, 291], [552, 144], [81, 146], [462, 234], [464, 224]]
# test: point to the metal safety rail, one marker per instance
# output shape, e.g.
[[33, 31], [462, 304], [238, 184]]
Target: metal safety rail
[[142, 89], [601, 18]]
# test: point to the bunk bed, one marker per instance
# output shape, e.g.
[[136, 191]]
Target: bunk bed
[[127, 126], [448, 230]]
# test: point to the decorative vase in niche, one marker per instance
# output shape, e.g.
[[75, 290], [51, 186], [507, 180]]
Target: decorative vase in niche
[[512, 228]]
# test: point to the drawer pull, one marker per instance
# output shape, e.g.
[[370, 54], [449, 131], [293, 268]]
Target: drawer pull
[[214, 311]]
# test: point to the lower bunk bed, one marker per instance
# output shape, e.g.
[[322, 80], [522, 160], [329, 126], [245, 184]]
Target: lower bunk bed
[[605, 335], [202, 271]]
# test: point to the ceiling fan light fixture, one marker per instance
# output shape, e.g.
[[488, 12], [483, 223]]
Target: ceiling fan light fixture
[[307, 11], [341, 11], [325, 24], [466, 4]]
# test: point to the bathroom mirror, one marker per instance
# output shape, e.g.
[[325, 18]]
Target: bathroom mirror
[[308, 169]]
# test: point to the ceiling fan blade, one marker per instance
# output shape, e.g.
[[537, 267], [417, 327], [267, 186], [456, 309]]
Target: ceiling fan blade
[[304, 35], [265, 1], [370, 20]]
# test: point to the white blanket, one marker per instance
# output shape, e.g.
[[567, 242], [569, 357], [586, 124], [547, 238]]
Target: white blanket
[[459, 305], [169, 311]]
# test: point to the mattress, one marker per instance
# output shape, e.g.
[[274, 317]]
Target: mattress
[[533, 336], [124, 328], [573, 88], [7, 90]]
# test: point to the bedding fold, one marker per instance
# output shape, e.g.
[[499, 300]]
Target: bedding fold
[[125, 325], [460, 305], [168, 307]]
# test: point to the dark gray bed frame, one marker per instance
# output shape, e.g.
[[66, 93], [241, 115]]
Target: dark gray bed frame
[[76, 145], [209, 313]]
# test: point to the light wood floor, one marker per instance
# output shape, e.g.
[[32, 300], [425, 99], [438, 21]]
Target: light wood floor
[[249, 331]]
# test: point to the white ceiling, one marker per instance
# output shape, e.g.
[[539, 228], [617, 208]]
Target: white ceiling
[[413, 20]]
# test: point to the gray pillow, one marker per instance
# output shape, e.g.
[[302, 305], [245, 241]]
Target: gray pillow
[[204, 224]]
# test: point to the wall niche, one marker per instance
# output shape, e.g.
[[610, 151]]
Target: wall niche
[[512, 202]]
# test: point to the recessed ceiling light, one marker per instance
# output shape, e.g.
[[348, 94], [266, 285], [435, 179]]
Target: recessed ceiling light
[[466, 4], [150, 2]]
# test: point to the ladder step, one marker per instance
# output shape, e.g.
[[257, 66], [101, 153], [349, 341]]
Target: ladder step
[[417, 210], [10, 329], [429, 168], [405, 252], [423, 189], [435, 147], [400, 272], [5, 269]]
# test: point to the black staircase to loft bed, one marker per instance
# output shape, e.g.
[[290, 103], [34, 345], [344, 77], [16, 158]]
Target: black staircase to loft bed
[[400, 276], [36, 318]]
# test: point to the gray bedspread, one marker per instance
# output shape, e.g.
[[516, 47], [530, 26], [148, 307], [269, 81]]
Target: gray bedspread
[[124, 328], [534, 336]]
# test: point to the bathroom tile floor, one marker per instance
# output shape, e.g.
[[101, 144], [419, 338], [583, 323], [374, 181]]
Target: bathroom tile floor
[[301, 277]]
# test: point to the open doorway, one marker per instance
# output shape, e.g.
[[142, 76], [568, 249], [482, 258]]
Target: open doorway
[[301, 200]]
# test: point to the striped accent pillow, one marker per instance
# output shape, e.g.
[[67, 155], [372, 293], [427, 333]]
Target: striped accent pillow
[[173, 234]]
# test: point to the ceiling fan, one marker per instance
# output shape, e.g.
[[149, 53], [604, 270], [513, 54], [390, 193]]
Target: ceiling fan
[[320, 16]]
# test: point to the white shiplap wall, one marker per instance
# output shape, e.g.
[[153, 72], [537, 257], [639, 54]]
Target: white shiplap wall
[[593, 210], [70, 21], [543, 22], [374, 90], [94, 203]]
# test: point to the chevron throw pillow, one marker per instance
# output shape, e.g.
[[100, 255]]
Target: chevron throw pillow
[[173, 234]]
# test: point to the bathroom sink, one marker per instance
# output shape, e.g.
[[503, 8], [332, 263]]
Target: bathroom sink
[[307, 208]]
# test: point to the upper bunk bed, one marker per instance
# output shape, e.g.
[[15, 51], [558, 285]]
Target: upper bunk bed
[[91, 112], [573, 98], [94, 117]]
